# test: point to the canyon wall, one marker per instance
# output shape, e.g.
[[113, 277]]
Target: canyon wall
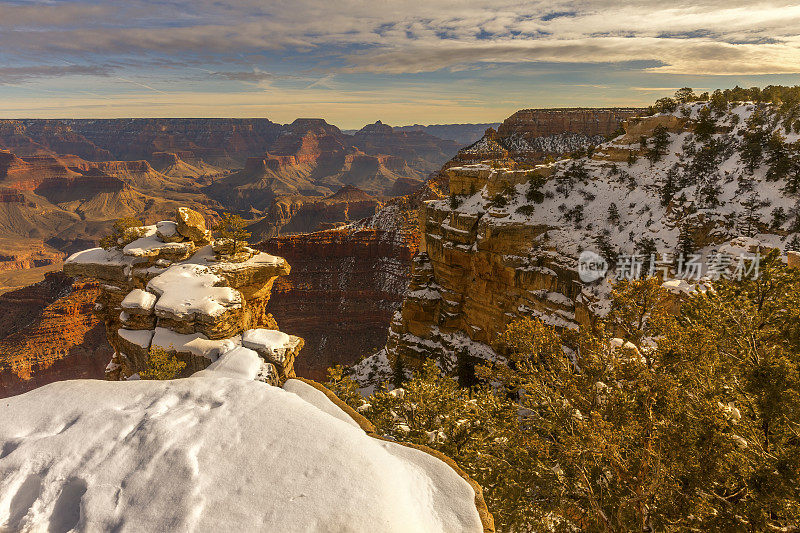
[[344, 287], [48, 333], [532, 135], [507, 243]]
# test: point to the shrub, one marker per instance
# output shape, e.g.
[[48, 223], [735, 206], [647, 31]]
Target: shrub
[[124, 231], [161, 365]]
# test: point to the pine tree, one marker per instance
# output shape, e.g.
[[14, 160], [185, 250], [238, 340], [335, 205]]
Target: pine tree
[[606, 249], [685, 95], [754, 142], [613, 214], [705, 126], [793, 244], [751, 221], [685, 246], [646, 247], [778, 217], [668, 187], [399, 372], [779, 159], [659, 145], [233, 228]]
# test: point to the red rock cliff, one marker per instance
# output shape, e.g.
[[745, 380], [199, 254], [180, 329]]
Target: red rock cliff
[[48, 333]]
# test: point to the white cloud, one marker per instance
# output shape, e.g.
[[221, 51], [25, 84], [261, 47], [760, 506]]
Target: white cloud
[[734, 37]]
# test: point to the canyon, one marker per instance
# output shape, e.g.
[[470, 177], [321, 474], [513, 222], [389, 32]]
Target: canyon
[[507, 243], [347, 281]]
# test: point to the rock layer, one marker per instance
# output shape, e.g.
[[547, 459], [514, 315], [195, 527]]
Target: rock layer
[[48, 333], [343, 289], [183, 298]]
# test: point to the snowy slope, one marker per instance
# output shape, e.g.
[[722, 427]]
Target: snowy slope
[[213, 452], [576, 201]]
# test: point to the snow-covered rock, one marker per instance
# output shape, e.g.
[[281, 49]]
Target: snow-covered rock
[[163, 291]]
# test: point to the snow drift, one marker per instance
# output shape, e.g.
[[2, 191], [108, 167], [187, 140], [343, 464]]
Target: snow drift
[[213, 452]]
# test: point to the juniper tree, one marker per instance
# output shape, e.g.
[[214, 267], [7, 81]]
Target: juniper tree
[[124, 231], [691, 426], [233, 227], [162, 365]]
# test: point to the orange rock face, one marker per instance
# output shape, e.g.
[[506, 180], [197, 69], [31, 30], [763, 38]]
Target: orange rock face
[[546, 122], [48, 333]]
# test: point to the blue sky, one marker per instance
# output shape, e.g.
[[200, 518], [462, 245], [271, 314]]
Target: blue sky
[[354, 62]]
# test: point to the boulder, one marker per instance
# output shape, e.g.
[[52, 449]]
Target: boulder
[[192, 225]]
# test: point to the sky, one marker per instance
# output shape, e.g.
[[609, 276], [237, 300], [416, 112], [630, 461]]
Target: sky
[[355, 62]]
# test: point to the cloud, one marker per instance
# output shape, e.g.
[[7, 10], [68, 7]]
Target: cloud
[[254, 76], [733, 37], [9, 75]]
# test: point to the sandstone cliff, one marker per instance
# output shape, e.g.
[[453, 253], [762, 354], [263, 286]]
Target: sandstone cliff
[[169, 286], [506, 245], [48, 333], [532, 135], [344, 287]]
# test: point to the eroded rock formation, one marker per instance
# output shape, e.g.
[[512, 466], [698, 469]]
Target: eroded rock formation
[[507, 243], [170, 289]]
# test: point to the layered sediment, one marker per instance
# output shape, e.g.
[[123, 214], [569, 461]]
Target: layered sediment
[[170, 287]]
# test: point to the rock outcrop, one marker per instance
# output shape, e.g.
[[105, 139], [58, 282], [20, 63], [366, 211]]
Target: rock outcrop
[[168, 289], [16, 254], [532, 135], [473, 273]]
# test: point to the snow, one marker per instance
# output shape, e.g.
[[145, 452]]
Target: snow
[[372, 372], [195, 343], [318, 399], [269, 341], [152, 245], [98, 256], [166, 228], [188, 289], [236, 363], [139, 299], [213, 452], [141, 337]]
